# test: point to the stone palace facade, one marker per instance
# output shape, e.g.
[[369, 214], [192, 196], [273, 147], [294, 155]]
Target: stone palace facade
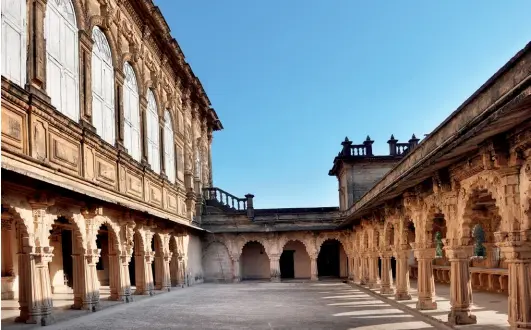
[[107, 180]]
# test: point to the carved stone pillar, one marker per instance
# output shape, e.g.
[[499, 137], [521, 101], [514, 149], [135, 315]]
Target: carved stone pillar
[[143, 130], [119, 95], [425, 281], [516, 248], [402, 275], [85, 79], [374, 277], [36, 70], [350, 265], [119, 280], [237, 269], [86, 283], [313, 268], [166, 277], [364, 270], [174, 270], [144, 273], [182, 270], [35, 291], [387, 276], [274, 266], [460, 285], [356, 269]]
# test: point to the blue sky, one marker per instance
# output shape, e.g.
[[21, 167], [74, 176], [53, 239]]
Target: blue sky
[[291, 78]]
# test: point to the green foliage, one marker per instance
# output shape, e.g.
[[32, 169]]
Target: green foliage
[[479, 236], [438, 245]]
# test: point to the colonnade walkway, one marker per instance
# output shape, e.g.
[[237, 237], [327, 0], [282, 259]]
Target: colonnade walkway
[[490, 309]]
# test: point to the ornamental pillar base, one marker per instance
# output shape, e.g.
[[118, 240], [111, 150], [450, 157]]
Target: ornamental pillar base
[[457, 317]]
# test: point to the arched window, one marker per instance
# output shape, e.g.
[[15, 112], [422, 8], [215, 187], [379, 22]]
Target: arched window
[[152, 119], [102, 87], [61, 33], [131, 113], [169, 147], [14, 35]]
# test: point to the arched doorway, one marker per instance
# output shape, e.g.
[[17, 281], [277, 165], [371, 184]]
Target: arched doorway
[[254, 262], [295, 261], [332, 260]]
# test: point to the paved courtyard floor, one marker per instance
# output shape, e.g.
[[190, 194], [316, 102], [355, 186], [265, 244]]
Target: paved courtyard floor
[[252, 305]]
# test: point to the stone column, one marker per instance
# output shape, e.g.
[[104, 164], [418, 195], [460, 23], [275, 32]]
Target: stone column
[[143, 272], [36, 69], [210, 177], [374, 277], [314, 276], [460, 285], [237, 269], [166, 279], [350, 266], [516, 248], [387, 276], [174, 270], [274, 266], [425, 282], [356, 269], [125, 279], [364, 270], [402, 275], [35, 290], [86, 283], [119, 95], [119, 280]]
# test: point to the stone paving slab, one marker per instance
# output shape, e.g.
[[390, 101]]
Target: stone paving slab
[[251, 305], [490, 308]]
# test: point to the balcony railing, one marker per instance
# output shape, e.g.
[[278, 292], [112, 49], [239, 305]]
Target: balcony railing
[[220, 198]]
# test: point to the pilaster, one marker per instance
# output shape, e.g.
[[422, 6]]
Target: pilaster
[[85, 79], [374, 277], [119, 83], [36, 82]]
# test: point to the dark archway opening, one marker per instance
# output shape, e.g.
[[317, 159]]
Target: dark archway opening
[[287, 264], [393, 267], [328, 259]]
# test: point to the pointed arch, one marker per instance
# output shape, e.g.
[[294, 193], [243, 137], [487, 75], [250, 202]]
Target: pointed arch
[[103, 117], [131, 101], [153, 132], [169, 147], [62, 60]]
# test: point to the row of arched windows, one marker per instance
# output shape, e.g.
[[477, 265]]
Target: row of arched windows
[[62, 80]]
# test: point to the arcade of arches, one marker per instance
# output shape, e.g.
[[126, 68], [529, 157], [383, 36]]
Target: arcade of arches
[[276, 256]]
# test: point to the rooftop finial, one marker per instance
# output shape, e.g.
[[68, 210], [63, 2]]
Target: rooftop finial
[[413, 137], [368, 138], [392, 137]]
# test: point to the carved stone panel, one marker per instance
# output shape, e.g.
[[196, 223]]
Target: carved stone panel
[[105, 172], [64, 153], [13, 131], [133, 185]]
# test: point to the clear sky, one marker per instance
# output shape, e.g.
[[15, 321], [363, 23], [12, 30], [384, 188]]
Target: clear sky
[[290, 79]]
